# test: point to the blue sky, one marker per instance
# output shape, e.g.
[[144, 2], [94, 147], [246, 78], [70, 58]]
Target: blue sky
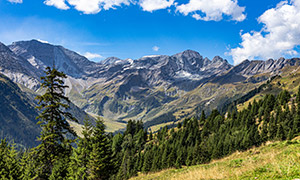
[[253, 29]]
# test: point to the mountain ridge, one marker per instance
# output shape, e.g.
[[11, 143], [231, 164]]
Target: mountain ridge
[[151, 87]]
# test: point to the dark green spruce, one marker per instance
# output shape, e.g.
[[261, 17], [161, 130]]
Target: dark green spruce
[[57, 135]]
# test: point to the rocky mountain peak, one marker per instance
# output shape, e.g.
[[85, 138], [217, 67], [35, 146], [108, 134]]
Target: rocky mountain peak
[[110, 60], [189, 54], [206, 61], [29, 44], [17, 68], [4, 48], [41, 55], [217, 59], [245, 62]]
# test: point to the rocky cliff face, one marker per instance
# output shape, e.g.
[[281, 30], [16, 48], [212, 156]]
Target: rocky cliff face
[[138, 89], [41, 55], [18, 69]]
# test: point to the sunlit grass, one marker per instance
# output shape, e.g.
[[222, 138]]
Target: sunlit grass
[[279, 160]]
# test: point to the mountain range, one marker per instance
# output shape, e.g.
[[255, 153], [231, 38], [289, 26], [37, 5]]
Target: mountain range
[[158, 89]]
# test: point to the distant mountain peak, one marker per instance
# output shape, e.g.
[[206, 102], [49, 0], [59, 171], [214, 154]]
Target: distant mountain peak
[[4, 48], [31, 42], [41, 55], [151, 56], [189, 54], [218, 59], [110, 60], [246, 61]]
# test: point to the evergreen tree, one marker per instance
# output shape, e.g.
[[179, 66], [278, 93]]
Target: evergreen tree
[[179, 159], [100, 165], [27, 166], [164, 160], [189, 159], [283, 97], [264, 132], [150, 136], [293, 108], [296, 124], [117, 143], [280, 132], [125, 166], [298, 101], [201, 154], [156, 163], [290, 134], [272, 128], [81, 155], [53, 120], [9, 165], [202, 118], [148, 159], [179, 125], [298, 96], [171, 158], [60, 169]]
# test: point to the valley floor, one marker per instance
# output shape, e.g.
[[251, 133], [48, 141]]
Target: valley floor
[[276, 160]]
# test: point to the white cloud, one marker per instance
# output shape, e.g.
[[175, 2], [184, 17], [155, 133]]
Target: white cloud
[[279, 35], [16, 1], [152, 5], [207, 10], [60, 4], [155, 48], [213, 10], [95, 6], [93, 55], [88, 6]]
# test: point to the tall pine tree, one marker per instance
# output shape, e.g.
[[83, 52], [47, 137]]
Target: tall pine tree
[[100, 165], [81, 155], [53, 120]]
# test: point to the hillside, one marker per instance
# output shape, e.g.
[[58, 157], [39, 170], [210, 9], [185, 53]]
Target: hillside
[[288, 79], [275, 160], [17, 114]]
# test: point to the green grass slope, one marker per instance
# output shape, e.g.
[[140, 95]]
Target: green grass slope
[[274, 160]]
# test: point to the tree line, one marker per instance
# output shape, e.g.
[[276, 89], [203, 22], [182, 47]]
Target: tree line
[[100, 155]]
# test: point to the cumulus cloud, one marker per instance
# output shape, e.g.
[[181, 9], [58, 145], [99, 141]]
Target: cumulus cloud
[[16, 1], [92, 55], [207, 10], [155, 48], [212, 10], [152, 5], [87, 6], [279, 36], [60, 4]]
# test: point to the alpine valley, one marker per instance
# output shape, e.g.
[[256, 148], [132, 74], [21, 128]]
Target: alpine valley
[[159, 90]]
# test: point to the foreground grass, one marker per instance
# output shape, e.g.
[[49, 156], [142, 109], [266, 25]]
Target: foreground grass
[[278, 160]]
